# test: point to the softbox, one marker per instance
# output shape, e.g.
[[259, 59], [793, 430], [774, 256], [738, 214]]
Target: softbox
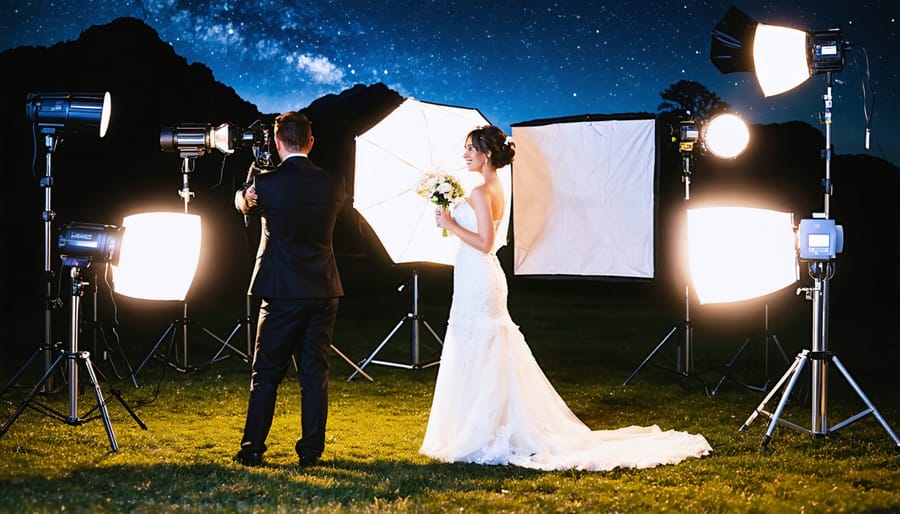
[[583, 196]]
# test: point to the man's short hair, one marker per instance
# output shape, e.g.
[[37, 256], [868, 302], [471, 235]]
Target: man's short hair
[[293, 129]]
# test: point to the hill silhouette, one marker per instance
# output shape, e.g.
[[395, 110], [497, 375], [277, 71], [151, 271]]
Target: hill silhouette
[[102, 180]]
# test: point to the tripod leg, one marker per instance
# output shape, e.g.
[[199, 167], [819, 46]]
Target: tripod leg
[[50, 370], [380, 346], [21, 370], [101, 403], [134, 416], [153, 350], [226, 343], [433, 333], [351, 363], [865, 400], [784, 399], [792, 370], [780, 348], [650, 356], [729, 364]]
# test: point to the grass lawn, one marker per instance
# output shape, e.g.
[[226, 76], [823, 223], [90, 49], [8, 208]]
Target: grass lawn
[[588, 336]]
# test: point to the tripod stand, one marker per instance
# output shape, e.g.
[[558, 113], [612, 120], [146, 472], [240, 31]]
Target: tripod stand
[[414, 318], [72, 357], [685, 352], [181, 324], [245, 322], [820, 357], [47, 216], [821, 270], [768, 339]]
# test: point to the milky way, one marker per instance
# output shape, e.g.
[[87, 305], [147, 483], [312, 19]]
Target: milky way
[[514, 61]]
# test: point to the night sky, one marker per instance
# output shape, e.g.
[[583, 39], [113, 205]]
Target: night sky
[[514, 61]]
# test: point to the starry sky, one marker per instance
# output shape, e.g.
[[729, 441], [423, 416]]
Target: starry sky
[[513, 60]]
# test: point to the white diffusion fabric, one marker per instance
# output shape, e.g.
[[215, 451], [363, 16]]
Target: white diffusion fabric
[[583, 198], [416, 139], [739, 253], [159, 256], [494, 405]]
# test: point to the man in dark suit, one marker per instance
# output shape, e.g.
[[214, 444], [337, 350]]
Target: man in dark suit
[[296, 279]]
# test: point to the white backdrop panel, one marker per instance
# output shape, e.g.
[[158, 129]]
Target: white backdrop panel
[[583, 198]]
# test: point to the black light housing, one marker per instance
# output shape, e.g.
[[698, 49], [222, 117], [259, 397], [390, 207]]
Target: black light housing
[[198, 139], [70, 112], [731, 49], [83, 243]]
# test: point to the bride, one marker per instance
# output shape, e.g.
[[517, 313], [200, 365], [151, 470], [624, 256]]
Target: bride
[[492, 402]]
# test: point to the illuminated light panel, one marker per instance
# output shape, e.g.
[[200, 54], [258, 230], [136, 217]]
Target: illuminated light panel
[[739, 253], [159, 255], [780, 58]]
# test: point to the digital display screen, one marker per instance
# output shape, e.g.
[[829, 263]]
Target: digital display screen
[[819, 240]]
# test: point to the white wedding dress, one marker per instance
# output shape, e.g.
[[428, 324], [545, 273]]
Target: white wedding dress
[[494, 405]]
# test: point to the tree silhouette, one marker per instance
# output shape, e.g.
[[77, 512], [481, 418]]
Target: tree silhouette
[[689, 100]]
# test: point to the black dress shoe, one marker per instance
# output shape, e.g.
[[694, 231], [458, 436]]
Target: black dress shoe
[[308, 459], [308, 456], [249, 458]]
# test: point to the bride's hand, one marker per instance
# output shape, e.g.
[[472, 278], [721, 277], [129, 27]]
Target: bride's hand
[[440, 217]]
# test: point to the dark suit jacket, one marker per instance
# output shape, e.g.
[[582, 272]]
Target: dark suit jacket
[[299, 204]]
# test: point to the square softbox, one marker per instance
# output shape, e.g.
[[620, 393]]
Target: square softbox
[[584, 196]]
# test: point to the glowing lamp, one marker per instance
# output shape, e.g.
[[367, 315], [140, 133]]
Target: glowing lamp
[[159, 255], [69, 112], [726, 136], [781, 57], [739, 253]]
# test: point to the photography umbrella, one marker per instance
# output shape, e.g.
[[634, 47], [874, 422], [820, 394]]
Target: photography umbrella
[[392, 157]]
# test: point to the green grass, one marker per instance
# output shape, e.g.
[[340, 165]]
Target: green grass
[[588, 337]]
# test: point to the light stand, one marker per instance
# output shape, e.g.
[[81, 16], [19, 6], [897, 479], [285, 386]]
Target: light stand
[[55, 114], [414, 318], [71, 356], [685, 352], [50, 141], [821, 271], [52, 136], [187, 167]]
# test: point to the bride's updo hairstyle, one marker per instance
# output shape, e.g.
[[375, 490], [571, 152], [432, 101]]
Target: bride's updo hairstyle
[[489, 138]]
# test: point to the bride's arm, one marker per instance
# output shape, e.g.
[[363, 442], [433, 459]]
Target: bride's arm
[[483, 240]]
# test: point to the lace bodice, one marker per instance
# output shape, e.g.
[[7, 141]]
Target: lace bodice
[[479, 284]]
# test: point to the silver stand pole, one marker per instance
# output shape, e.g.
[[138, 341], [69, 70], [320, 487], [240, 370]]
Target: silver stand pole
[[414, 319], [50, 141], [684, 363]]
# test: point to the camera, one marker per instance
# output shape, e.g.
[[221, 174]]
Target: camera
[[196, 140]]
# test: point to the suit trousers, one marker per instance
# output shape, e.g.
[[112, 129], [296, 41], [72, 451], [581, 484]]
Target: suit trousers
[[301, 329]]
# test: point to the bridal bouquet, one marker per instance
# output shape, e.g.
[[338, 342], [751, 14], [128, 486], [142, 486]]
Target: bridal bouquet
[[441, 189]]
